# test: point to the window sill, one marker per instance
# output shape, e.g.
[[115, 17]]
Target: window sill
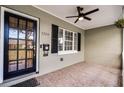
[[67, 52]]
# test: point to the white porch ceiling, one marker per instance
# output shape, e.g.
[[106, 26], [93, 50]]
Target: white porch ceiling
[[106, 15]]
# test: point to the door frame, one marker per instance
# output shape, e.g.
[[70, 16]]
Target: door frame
[[3, 9]]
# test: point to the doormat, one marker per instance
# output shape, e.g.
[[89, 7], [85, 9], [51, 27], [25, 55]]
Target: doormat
[[29, 83]]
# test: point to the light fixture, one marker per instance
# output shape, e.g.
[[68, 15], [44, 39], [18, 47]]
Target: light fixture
[[81, 18]]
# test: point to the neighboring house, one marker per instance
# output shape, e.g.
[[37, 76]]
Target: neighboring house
[[34, 42]]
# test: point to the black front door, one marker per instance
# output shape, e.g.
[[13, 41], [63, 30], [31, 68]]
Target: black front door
[[19, 45]]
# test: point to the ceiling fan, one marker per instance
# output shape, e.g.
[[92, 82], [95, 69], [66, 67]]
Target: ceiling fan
[[81, 15]]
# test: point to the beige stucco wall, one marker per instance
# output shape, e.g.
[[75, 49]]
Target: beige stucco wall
[[103, 46], [51, 62]]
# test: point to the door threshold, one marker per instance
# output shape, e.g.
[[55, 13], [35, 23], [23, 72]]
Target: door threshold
[[19, 79]]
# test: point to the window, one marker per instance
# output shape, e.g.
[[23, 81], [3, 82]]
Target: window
[[67, 41]]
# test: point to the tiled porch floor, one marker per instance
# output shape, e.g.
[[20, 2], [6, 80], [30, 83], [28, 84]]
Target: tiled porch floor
[[78, 75]]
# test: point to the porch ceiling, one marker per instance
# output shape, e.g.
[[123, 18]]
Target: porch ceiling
[[107, 15]]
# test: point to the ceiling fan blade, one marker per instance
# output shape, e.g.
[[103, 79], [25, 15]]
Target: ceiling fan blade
[[78, 9], [91, 11], [87, 18], [76, 20], [71, 16]]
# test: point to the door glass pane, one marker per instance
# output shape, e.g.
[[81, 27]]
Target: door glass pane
[[13, 22], [21, 54], [21, 64], [29, 44], [29, 54], [22, 34], [12, 44], [13, 33], [21, 44], [22, 24], [12, 55], [30, 26], [29, 63], [12, 66], [30, 35]]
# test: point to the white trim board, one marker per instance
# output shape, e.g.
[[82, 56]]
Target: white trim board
[[3, 9], [57, 16]]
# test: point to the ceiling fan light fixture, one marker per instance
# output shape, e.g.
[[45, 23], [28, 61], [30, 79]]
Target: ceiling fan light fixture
[[81, 18], [82, 15]]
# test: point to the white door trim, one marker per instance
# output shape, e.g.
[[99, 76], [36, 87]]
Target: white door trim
[[3, 9]]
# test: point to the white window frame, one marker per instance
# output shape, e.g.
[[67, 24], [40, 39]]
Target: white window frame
[[67, 51], [3, 9]]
